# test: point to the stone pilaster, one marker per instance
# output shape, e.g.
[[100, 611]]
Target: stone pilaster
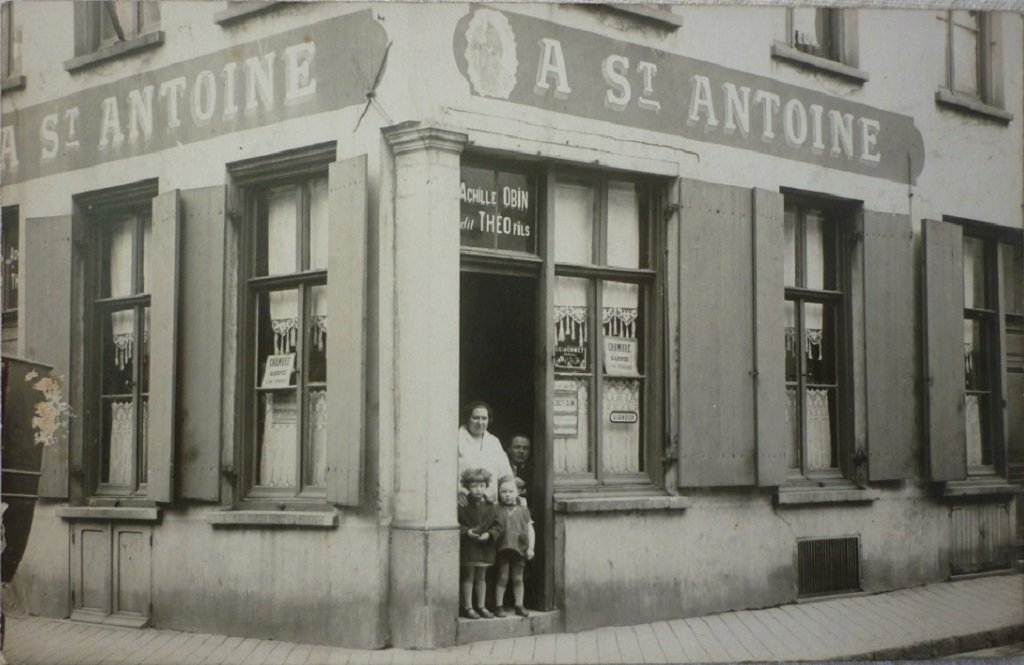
[[425, 537]]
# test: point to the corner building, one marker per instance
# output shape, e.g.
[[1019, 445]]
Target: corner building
[[750, 279]]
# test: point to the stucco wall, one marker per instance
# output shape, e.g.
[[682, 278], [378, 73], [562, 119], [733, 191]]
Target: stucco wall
[[735, 551]]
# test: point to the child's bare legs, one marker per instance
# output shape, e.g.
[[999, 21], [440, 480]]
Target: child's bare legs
[[517, 582], [466, 580], [501, 584], [480, 587]]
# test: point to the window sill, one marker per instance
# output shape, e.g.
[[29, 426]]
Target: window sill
[[134, 45], [305, 519], [13, 83], [239, 10], [651, 15], [609, 504], [111, 513], [989, 486], [795, 496], [966, 104], [801, 59]]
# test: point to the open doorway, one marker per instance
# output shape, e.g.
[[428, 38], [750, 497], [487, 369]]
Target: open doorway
[[498, 364]]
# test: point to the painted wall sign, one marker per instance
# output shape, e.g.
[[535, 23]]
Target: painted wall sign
[[542, 64], [498, 210], [321, 67]]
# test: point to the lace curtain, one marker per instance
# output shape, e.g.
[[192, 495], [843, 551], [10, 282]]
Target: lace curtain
[[280, 434], [818, 425], [122, 327]]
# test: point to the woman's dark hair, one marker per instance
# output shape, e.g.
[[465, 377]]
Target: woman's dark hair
[[467, 410]]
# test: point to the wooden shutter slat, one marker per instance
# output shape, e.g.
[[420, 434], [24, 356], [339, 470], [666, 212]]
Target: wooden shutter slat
[[346, 312], [944, 358], [46, 325], [201, 348], [716, 395], [163, 340], [888, 272], [769, 338]]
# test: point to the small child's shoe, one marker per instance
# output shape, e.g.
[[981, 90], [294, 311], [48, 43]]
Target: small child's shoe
[[521, 611], [485, 613], [499, 612], [469, 613]]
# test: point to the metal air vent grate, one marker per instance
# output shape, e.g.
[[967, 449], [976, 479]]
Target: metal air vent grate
[[828, 565]]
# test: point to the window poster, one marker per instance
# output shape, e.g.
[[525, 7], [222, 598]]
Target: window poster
[[571, 337], [498, 210], [620, 356], [278, 371], [565, 410]]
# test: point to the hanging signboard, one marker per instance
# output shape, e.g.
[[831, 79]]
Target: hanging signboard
[[287, 75], [552, 67], [497, 210], [565, 411]]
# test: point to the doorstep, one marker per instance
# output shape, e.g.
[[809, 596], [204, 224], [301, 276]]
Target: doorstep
[[538, 623]]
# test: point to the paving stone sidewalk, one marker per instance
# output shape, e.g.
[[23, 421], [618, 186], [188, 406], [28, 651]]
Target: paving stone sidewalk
[[920, 623]]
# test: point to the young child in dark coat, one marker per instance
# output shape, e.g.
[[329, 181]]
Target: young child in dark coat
[[480, 529]]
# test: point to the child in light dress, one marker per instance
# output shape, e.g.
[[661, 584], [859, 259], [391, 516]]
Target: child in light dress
[[515, 543]]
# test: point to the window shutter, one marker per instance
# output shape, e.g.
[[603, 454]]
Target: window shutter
[[769, 376], [889, 342], [944, 356], [346, 316], [202, 350], [46, 325], [163, 339], [716, 354]]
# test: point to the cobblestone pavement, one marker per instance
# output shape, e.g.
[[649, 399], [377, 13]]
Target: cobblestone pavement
[[932, 621]]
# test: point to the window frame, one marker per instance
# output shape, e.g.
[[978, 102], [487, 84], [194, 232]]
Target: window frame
[[841, 217], [91, 49], [100, 209], [988, 102], [11, 77], [650, 277], [10, 220], [248, 181], [999, 323], [842, 59]]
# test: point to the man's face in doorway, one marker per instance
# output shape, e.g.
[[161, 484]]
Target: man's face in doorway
[[519, 450]]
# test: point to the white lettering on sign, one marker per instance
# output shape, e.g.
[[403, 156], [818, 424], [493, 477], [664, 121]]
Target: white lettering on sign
[[623, 417], [133, 118], [552, 62]]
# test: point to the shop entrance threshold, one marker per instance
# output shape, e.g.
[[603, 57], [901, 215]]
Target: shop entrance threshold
[[538, 623]]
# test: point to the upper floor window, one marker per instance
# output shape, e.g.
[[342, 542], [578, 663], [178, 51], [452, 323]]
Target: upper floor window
[[966, 52], [114, 21], [10, 42], [815, 345], [972, 81], [605, 318], [107, 29], [120, 316], [817, 31], [822, 39]]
